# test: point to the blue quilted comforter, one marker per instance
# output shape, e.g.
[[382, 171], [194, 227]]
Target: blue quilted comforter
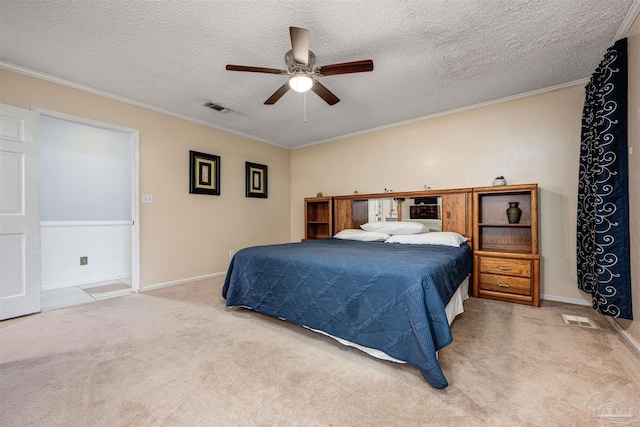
[[389, 297]]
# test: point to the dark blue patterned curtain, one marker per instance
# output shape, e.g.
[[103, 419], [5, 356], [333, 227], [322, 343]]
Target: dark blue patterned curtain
[[604, 268]]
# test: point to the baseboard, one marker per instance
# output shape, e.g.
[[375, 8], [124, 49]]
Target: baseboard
[[567, 300], [625, 335], [84, 282], [182, 281]]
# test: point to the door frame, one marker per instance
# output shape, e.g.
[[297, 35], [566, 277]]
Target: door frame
[[135, 181]]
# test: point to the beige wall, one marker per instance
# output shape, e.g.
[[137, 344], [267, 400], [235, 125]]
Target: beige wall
[[532, 140], [182, 235], [634, 175]]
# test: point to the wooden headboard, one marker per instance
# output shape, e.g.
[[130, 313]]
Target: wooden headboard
[[352, 211]]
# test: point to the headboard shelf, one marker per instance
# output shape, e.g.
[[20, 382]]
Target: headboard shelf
[[403, 194], [352, 210], [503, 250]]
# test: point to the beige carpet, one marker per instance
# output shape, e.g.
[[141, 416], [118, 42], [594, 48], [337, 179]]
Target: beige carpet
[[178, 357]]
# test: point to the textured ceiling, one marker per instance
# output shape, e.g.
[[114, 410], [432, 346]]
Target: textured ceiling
[[430, 56]]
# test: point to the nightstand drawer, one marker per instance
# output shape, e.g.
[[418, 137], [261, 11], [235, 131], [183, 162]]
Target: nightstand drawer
[[506, 266], [505, 284]]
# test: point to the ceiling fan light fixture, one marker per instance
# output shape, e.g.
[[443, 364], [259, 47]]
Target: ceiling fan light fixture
[[300, 82], [300, 69]]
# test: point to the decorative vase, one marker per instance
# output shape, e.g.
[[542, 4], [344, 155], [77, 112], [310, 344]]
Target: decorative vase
[[514, 213]]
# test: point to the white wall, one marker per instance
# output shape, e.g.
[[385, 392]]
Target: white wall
[[85, 203], [85, 172], [107, 244]]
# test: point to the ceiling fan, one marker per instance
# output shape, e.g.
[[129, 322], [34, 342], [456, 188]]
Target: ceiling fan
[[300, 61]]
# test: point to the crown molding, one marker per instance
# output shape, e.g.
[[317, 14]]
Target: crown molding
[[581, 82], [88, 89], [628, 20], [47, 77]]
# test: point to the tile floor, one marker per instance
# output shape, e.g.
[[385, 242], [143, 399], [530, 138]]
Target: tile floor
[[90, 292]]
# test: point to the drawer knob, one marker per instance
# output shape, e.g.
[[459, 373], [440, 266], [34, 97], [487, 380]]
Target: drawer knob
[[503, 285], [504, 268]]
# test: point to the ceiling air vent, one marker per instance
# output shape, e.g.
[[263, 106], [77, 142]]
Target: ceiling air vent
[[216, 107]]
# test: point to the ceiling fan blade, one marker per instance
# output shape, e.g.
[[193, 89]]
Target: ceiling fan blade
[[277, 94], [256, 69], [300, 45], [324, 93], [345, 68]]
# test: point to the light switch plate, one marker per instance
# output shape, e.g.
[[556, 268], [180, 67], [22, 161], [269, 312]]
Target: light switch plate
[[147, 198]]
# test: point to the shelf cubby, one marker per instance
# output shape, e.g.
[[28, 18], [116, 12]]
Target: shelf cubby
[[318, 218]]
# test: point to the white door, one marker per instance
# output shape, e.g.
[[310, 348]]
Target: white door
[[19, 212]]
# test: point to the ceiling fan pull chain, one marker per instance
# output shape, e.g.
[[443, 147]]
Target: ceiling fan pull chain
[[305, 107]]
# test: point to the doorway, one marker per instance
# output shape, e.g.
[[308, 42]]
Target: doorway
[[88, 210]]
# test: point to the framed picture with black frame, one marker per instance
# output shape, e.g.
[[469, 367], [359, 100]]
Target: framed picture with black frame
[[256, 180], [204, 173]]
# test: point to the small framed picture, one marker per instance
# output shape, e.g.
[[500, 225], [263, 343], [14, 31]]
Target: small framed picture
[[256, 180], [204, 173]]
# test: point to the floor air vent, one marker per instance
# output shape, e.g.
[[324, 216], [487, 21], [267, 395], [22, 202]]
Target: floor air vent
[[584, 322]]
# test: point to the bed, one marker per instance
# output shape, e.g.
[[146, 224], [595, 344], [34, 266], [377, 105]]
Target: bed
[[384, 297]]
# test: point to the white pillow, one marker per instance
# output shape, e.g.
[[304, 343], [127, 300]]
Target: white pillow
[[445, 238], [395, 227], [361, 235]]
